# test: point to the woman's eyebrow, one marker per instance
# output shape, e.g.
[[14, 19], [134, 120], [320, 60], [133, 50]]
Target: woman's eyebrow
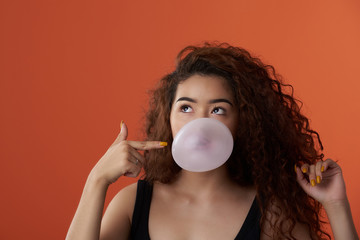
[[218, 100], [186, 99], [221, 100]]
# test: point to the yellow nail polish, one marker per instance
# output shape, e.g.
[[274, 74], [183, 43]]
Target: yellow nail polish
[[312, 183], [164, 144], [318, 179], [322, 169], [121, 124], [304, 170], [295, 167]]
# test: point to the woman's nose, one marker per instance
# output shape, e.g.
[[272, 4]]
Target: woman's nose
[[203, 114]]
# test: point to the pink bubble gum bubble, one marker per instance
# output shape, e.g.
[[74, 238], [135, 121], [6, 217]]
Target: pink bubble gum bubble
[[202, 145]]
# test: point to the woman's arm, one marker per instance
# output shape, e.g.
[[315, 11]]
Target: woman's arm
[[325, 183], [87, 219], [122, 158], [341, 221]]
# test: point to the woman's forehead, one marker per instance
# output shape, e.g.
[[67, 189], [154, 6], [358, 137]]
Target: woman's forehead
[[201, 86]]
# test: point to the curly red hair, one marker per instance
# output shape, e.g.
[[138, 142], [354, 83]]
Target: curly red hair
[[273, 137]]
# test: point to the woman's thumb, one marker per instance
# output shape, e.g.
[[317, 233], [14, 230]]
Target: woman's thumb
[[123, 133]]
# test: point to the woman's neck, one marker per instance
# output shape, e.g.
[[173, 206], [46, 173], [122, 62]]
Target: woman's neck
[[204, 183]]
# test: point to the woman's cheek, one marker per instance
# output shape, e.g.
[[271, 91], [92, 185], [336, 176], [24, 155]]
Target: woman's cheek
[[177, 124]]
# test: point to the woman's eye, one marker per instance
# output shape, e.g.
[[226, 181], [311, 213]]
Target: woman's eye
[[186, 109], [219, 111]]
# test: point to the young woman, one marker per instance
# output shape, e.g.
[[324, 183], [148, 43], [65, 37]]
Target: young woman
[[272, 187]]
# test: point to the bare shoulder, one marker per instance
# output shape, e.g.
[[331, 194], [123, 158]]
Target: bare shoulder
[[300, 231], [116, 222], [124, 200]]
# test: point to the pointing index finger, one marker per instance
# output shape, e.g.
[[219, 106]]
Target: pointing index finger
[[147, 145]]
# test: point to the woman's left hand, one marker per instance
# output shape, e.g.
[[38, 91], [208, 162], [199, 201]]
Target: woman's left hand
[[323, 181]]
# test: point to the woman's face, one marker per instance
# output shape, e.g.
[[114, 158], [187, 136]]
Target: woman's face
[[203, 97]]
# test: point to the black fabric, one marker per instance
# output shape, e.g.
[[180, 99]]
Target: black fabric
[[251, 226], [140, 230], [140, 220]]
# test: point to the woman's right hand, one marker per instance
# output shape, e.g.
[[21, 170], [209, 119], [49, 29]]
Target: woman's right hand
[[122, 158]]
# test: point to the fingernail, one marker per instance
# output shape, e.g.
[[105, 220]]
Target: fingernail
[[295, 167], [164, 144], [313, 183], [322, 169], [304, 170], [318, 179], [121, 124]]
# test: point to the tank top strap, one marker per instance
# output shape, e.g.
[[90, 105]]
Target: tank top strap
[[140, 219], [251, 227]]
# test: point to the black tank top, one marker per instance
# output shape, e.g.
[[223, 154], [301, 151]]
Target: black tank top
[[140, 230]]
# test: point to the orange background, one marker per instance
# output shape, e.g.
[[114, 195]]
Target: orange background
[[70, 71]]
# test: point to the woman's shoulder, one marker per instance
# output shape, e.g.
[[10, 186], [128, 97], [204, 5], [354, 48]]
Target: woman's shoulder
[[273, 219], [125, 198], [118, 216], [128, 190]]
